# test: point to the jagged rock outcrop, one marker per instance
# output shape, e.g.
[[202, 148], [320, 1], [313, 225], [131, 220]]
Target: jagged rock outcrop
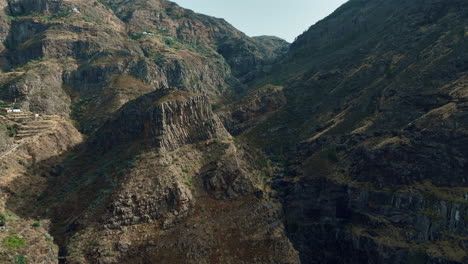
[[166, 119], [40, 89], [24, 7]]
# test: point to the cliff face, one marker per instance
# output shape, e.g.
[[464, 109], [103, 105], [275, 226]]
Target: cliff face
[[165, 119], [390, 196]]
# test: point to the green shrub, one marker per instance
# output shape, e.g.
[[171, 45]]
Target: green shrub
[[2, 220], [13, 242], [172, 43], [4, 104], [12, 131], [209, 124], [59, 15], [189, 181], [79, 107], [36, 224], [185, 170], [20, 259], [214, 107]]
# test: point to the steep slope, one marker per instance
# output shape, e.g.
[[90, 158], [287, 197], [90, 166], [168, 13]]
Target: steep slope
[[172, 187], [97, 55], [376, 64], [372, 134]]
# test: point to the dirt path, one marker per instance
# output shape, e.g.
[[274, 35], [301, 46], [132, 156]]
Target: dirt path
[[2, 155]]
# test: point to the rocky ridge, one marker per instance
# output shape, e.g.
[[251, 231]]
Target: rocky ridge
[[166, 119], [175, 167]]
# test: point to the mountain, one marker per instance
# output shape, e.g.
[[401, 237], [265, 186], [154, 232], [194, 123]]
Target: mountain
[[97, 55], [149, 133], [371, 131], [153, 175]]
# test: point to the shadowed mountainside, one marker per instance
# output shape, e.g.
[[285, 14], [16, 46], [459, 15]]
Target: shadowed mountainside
[[371, 133]]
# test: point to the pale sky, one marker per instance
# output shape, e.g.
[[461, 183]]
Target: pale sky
[[283, 18]]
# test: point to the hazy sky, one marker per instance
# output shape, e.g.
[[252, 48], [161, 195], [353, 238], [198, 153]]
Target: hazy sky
[[283, 18]]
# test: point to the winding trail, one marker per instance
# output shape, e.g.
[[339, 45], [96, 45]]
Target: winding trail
[[2, 155]]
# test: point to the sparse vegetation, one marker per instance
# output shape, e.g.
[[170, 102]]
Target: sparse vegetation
[[10, 17], [12, 131], [106, 4], [4, 104], [172, 43], [13, 242], [220, 139], [185, 170], [58, 15], [79, 107], [189, 182], [2, 220], [36, 224], [20, 259], [209, 123], [214, 107]]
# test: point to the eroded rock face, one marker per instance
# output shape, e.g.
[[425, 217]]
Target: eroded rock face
[[166, 119], [352, 225], [24, 7], [376, 93], [168, 204], [437, 156], [40, 90], [384, 206], [242, 53]]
